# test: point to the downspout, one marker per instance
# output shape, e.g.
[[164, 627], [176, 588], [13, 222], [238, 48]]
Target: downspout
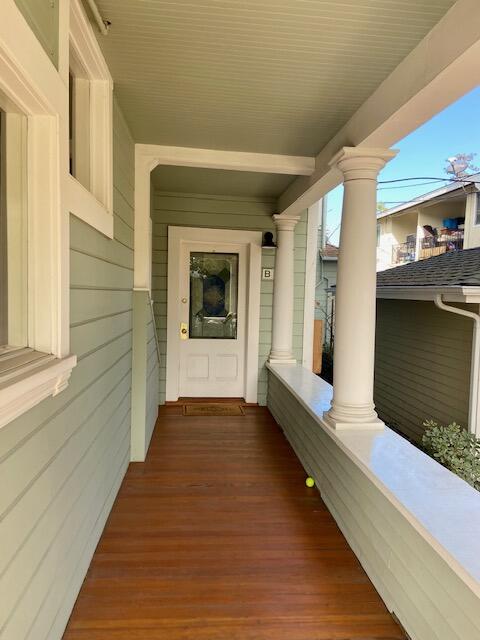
[[473, 408]]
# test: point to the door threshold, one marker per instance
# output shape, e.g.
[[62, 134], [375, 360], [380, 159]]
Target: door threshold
[[182, 401]]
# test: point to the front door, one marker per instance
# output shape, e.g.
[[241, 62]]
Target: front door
[[212, 328]]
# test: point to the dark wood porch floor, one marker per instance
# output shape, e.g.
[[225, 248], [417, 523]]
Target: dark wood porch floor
[[216, 537]]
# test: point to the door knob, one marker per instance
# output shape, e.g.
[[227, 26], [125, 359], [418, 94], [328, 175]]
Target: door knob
[[184, 300]]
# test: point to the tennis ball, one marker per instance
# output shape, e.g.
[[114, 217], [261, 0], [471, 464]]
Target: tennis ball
[[310, 482]]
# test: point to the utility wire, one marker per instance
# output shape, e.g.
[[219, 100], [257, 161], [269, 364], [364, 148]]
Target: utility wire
[[466, 179]]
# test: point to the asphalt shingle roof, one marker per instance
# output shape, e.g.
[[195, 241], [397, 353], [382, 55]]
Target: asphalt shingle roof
[[452, 269]]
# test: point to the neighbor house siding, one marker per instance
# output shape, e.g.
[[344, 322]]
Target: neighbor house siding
[[326, 277], [226, 213], [422, 365], [62, 462]]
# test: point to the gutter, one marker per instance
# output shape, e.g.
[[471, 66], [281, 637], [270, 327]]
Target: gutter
[[474, 399], [468, 294]]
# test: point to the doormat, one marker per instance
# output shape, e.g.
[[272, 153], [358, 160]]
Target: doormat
[[220, 409]]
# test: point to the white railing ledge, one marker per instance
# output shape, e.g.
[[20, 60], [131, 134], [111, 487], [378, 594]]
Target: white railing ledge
[[444, 509]]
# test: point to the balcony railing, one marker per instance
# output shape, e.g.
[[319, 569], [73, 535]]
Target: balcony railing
[[451, 240], [403, 252]]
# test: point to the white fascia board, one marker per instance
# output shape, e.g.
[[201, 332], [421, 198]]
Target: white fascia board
[[450, 294], [437, 72], [229, 160]]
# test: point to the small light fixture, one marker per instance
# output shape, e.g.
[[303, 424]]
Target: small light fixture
[[268, 242]]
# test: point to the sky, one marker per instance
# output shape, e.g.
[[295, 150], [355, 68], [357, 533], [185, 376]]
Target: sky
[[422, 153]]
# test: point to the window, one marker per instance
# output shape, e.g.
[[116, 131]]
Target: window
[[79, 123], [213, 295], [90, 123], [13, 231], [34, 253], [379, 233]]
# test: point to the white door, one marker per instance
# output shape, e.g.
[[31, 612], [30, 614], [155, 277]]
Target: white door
[[212, 319]]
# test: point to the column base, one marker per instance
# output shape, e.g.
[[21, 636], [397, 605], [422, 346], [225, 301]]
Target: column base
[[273, 360], [353, 418], [278, 356]]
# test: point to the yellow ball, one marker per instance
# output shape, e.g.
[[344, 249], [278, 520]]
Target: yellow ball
[[310, 482]]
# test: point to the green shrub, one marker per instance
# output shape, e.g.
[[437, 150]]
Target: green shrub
[[455, 449]]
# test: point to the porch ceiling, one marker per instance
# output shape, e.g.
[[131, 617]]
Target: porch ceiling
[[271, 76], [219, 182]]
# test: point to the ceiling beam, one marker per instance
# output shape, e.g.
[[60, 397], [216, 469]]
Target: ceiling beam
[[442, 68], [229, 160]]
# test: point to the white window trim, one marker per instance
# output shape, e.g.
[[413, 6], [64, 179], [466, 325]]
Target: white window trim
[[94, 205], [30, 84]]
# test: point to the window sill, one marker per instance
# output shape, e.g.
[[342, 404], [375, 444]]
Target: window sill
[[83, 204], [29, 380]]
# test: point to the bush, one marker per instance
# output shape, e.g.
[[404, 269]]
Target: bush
[[455, 449]]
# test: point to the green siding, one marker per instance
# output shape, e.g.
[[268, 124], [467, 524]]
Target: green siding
[[62, 463], [190, 210], [422, 365], [42, 17]]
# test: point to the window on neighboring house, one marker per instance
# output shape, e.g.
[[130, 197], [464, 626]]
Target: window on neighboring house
[[477, 209], [379, 233]]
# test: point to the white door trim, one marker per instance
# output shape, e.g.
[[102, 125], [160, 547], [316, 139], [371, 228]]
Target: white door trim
[[253, 241]]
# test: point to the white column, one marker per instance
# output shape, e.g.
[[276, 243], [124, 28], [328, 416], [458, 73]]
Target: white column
[[282, 322], [354, 349]]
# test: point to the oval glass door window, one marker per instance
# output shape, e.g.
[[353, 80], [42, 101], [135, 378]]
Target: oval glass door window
[[213, 295]]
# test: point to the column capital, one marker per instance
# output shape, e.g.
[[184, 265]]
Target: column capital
[[285, 223], [361, 162]]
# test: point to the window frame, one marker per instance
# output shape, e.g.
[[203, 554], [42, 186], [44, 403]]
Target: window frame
[[476, 209], [92, 204], [30, 84]]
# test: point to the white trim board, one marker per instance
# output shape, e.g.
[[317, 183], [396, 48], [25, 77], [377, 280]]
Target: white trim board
[[229, 160], [253, 240]]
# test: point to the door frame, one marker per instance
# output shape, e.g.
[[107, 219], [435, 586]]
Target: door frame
[[253, 241]]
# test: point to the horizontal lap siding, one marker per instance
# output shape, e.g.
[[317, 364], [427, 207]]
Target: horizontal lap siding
[[422, 365], [188, 210], [412, 578], [62, 462]]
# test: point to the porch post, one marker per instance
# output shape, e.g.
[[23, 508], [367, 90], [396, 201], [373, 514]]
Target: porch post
[[282, 322], [352, 404]]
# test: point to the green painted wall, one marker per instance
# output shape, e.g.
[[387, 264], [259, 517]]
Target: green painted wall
[[422, 365], [62, 463], [191, 210], [42, 16]]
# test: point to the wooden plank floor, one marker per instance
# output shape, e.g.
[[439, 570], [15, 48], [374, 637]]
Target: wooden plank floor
[[216, 537]]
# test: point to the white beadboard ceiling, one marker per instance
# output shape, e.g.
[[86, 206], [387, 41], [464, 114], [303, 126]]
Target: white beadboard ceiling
[[219, 182], [270, 76]]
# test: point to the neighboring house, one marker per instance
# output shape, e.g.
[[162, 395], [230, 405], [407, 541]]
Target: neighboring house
[[426, 357], [147, 147], [447, 219], [326, 277]]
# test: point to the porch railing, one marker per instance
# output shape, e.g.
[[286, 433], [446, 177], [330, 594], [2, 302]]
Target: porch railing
[[403, 252], [436, 245]]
